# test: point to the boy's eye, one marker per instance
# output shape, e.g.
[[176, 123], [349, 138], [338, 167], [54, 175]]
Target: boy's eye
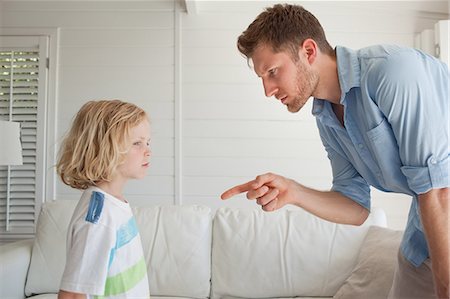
[[140, 143], [272, 72]]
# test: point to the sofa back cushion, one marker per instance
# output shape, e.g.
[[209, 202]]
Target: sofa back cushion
[[177, 245], [48, 256], [176, 241], [283, 254]]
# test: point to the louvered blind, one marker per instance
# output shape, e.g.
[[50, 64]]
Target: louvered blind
[[20, 75]]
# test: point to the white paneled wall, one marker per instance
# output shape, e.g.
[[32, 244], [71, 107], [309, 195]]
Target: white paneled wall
[[232, 132], [119, 49], [229, 132]]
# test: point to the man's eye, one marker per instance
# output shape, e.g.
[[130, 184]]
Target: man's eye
[[137, 143], [272, 72]]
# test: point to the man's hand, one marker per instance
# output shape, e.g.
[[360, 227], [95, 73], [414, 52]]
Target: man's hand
[[271, 191]]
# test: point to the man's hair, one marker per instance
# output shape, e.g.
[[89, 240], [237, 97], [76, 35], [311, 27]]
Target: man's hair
[[97, 142], [284, 27]]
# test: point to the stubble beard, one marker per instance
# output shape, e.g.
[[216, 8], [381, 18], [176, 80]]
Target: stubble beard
[[306, 82]]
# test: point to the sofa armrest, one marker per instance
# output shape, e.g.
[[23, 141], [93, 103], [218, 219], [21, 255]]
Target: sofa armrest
[[15, 259]]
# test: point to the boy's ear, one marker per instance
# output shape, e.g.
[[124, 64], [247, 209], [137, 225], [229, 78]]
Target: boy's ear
[[309, 50]]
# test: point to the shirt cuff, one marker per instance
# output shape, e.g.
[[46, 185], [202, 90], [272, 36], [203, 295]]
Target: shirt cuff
[[433, 176]]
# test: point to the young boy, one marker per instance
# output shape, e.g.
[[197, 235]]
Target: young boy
[[107, 145]]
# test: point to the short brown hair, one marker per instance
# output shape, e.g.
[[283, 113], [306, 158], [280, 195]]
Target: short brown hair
[[284, 27], [96, 142]]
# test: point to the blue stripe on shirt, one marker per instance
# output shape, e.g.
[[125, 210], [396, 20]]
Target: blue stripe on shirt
[[124, 235], [95, 207]]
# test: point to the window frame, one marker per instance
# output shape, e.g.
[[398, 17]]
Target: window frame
[[45, 188]]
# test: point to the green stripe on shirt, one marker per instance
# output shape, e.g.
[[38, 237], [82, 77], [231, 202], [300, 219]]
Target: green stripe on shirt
[[124, 281]]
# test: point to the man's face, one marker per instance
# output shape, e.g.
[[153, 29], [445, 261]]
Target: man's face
[[293, 83]]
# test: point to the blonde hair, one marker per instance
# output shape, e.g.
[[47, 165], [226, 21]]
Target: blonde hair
[[96, 143]]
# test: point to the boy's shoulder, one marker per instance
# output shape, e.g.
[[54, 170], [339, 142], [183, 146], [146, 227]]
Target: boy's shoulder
[[95, 207], [101, 207]]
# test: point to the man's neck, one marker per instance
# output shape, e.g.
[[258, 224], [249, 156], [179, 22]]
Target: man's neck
[[328, 87]]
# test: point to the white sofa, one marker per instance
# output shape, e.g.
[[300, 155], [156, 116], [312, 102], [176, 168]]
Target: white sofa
[[194, 253]]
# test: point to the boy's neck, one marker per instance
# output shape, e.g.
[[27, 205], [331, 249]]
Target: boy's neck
[[114, 188]]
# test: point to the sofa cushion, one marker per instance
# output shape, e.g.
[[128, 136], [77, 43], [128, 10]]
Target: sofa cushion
[[49, 249], [177, 245], [176, 241], [14, 261], [229, 297], [374, 272], [283, 254], [55, 296]]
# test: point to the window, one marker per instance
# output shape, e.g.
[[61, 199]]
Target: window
[[23, 81]]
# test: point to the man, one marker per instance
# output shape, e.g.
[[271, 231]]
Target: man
[[382, 114]]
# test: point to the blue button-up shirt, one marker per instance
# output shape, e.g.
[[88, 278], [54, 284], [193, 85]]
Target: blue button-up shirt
[[396, 130]]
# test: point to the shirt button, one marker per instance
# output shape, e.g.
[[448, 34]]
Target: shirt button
[[433, 161], [360, 145]]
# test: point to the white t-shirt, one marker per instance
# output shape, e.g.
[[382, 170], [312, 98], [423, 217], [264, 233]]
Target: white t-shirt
[[104, 250]]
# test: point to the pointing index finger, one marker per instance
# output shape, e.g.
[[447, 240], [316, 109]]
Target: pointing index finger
[[238, 189]]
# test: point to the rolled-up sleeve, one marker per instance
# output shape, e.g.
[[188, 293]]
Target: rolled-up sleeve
[[413, 94], [434, 175]]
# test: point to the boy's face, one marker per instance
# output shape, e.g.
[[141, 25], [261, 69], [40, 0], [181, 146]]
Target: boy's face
[[136, 160]]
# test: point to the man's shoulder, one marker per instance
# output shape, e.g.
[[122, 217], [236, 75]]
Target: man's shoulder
[[377, 59], [395, 58], [384, 51], [393, 63]]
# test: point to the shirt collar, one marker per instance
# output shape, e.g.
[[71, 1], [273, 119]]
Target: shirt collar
[[349, 71], [349, 74]]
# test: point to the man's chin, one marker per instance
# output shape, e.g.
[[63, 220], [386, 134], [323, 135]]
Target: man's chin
[[292, 109]]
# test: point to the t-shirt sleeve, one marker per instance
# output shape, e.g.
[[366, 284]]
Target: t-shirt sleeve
[[88, 258], [413, 94]]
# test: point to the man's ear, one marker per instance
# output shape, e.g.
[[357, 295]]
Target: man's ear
[[309, 50]]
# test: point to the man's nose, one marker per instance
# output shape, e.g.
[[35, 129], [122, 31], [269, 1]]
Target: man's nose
[[270, 89]]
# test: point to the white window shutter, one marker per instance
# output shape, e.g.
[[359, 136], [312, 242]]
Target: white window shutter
[[23, 76]]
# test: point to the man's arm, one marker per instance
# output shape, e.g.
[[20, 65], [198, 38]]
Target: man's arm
[[273, 191], [434, 210]]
